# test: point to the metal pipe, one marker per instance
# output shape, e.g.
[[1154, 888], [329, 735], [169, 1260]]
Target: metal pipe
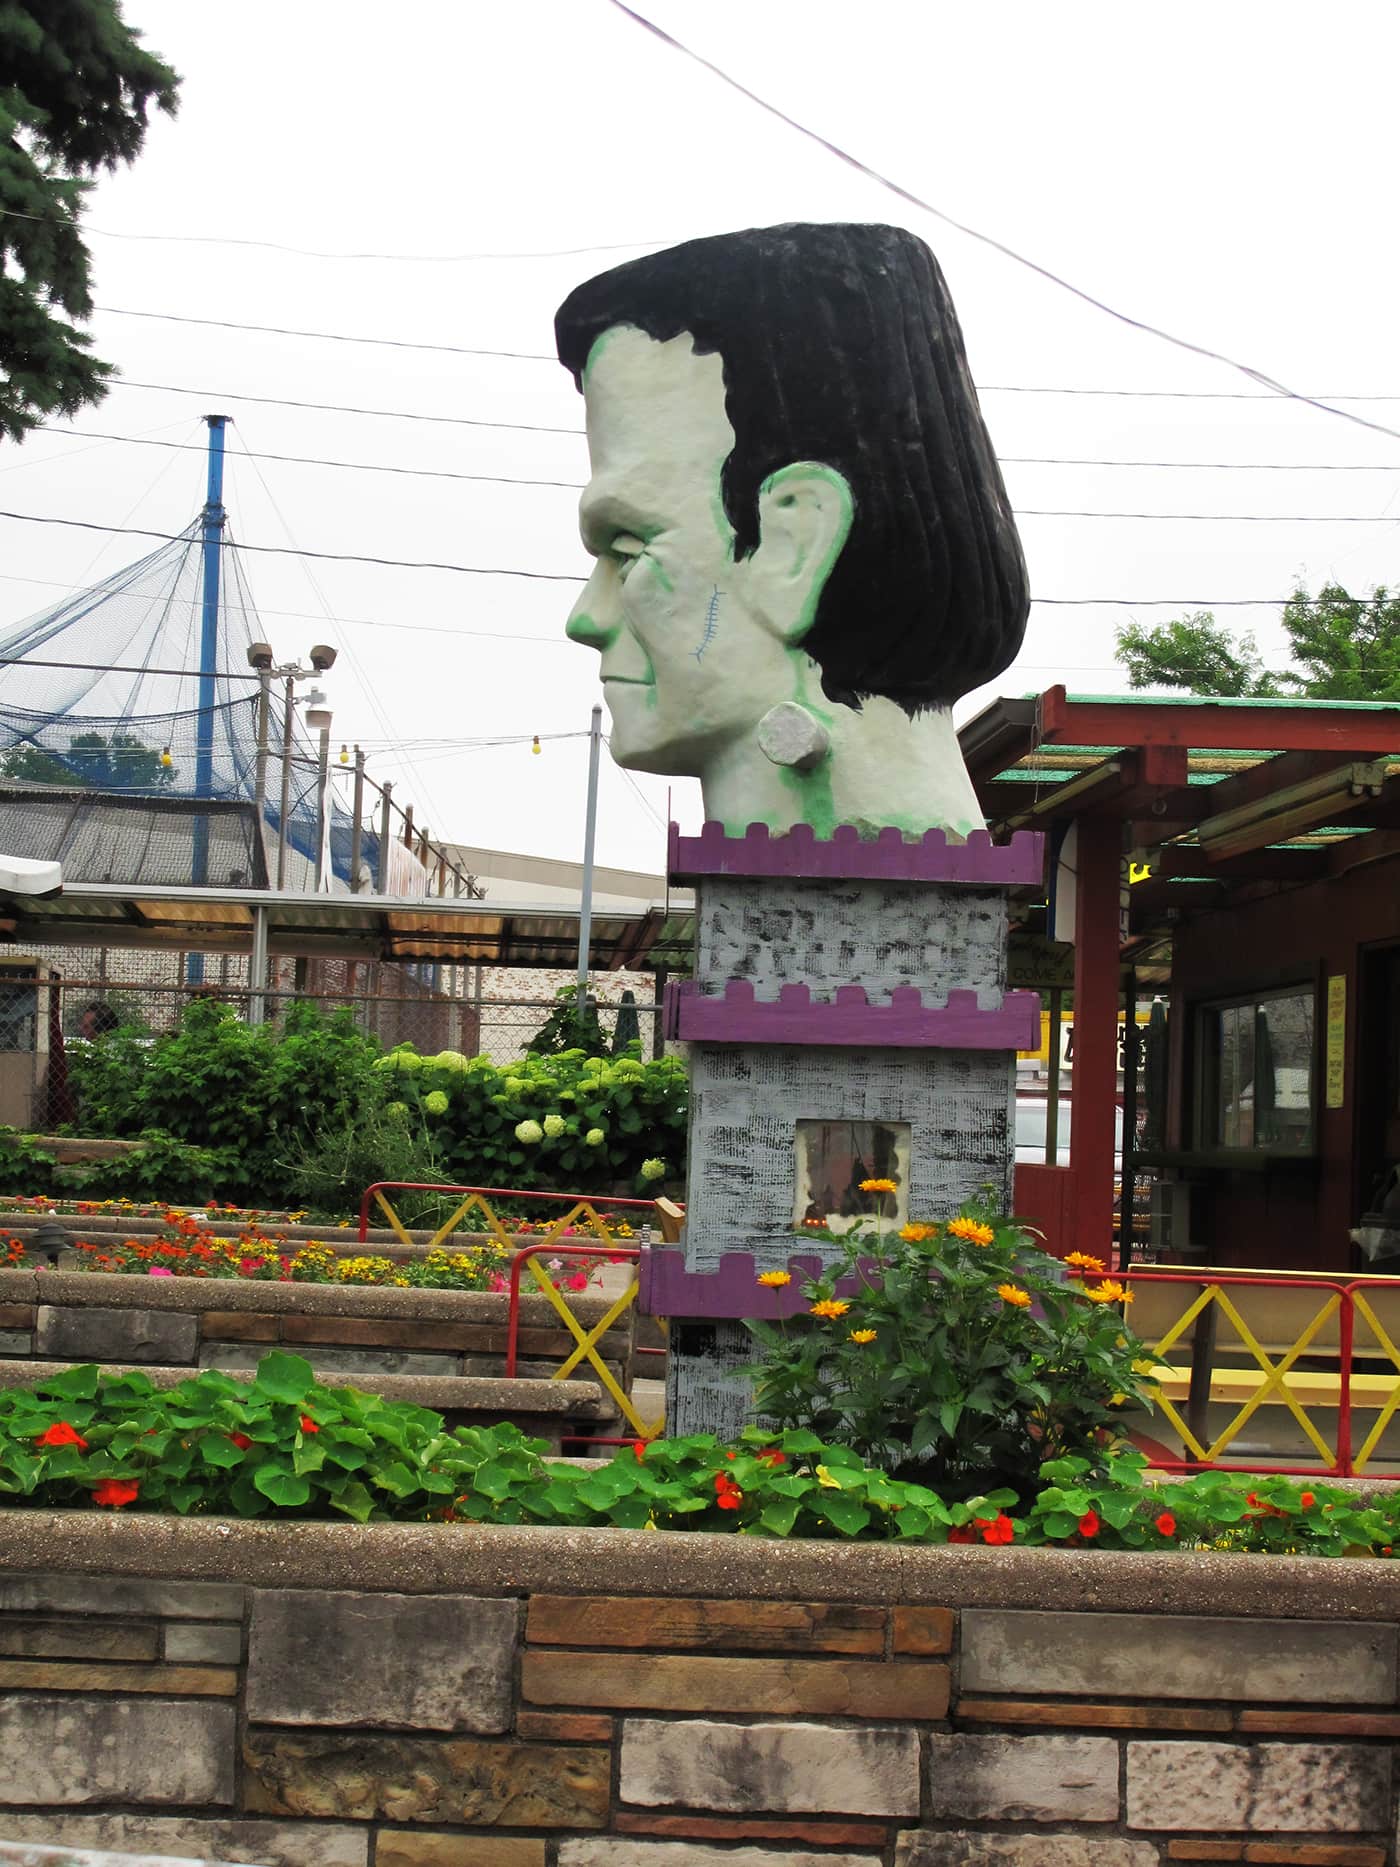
[[590, 825], [288, 710], [211, 546], [257, 968], [356, 812], [1052, 1079], [1127, 1178]]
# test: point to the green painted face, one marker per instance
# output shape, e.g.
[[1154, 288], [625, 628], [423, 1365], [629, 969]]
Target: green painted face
[[695, 646]]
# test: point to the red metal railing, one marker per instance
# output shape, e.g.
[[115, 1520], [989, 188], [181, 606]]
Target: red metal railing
[[1216, 1296]]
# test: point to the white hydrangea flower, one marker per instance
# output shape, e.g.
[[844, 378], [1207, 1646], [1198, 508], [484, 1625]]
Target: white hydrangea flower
[[435, 1102], [529, 1132], [653, 1170], [554, 1126], [594, 1138]]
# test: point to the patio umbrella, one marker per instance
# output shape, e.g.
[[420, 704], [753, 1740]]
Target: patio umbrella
[[1154, 1079]]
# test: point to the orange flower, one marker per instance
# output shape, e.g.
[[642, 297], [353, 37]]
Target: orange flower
[[917, 1234], [829, 1309], [308, 1425], [863, 1336], [877, 1186], [1109, 1291], [774, 1280], [972, 1230], [1009, 1293], [1081, 1261], [1306, 1500]]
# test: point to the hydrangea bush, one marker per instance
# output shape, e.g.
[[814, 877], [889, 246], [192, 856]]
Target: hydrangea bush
[[565, 1121]]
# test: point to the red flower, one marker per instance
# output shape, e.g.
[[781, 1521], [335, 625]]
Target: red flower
[[578, 1281], [308, 1425], [1166, 1523], [116, 1492], [962, 1533], [998, 1529], [727, 1494], [1306, 1500], [639, 1446], [1089, 1524], [241, 1440], [770, 1455], [61, 1434]]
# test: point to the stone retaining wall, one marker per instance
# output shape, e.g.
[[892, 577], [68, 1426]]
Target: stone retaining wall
[[345, 1331], [436, 1696]]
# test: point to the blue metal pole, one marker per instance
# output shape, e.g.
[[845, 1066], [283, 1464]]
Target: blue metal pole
[[213, 528]]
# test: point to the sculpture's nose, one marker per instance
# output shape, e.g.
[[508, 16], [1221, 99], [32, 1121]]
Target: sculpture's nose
[[596, 616]]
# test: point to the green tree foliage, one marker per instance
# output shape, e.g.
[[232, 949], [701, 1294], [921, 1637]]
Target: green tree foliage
[[95, 761], [75, 88], [1341, 648]]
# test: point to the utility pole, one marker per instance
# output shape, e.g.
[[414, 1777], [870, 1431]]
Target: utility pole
[[357, 809], [288, 714], [386, 805], [585, 908]]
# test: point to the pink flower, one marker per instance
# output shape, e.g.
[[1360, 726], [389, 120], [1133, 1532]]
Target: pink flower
[[160, 1270], [579, 1281]]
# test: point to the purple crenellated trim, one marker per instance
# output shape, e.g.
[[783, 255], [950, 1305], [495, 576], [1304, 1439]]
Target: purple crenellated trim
[[739, 1016], [847, 855], [666, 1288]]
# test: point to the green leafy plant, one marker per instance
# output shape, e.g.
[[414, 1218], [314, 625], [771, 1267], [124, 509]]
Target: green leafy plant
[[25, 1167], [281, 1445], [961, 1357]]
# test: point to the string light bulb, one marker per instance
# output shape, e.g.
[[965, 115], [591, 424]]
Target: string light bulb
[[345, 755], [165, 757], [535, 743]]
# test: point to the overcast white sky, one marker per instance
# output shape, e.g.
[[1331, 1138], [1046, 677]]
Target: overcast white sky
[[1224, 171]]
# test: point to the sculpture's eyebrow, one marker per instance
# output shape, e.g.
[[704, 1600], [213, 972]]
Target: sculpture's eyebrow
[[605, 511]]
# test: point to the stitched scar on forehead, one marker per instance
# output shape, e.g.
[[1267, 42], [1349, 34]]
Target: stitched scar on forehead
[[711, 624]]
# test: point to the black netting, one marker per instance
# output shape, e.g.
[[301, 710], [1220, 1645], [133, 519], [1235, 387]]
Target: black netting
[[119, 723]]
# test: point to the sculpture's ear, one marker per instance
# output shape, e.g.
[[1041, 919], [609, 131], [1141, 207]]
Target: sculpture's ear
[[804, 518]]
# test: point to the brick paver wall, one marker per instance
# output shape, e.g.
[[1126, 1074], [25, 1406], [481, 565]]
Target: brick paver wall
[[511, 1726]]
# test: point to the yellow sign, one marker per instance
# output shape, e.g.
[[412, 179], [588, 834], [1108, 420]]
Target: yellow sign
[[1336, 1070]]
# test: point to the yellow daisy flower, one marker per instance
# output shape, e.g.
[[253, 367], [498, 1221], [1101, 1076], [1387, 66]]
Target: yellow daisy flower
[[830, 1309], [877, 1186], [1010, 1293], [863, 1335], [972, 1230], [774, 1280]]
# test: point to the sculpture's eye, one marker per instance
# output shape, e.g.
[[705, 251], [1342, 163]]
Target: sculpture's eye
[[624, 551]]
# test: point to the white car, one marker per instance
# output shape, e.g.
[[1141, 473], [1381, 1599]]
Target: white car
[[1031, 1122]]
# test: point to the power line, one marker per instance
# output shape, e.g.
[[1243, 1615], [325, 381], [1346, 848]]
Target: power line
[[1053, 278], [309, 252], [338, 408], [332, 337], [546, 576], [311, 460], [547, 356], [504, 479], [339, 557]]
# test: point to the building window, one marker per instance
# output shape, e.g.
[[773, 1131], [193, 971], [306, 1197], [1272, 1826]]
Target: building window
[[1259, 1070], [833, 1157]]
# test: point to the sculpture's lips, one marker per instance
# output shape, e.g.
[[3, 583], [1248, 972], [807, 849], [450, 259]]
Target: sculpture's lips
[[623, 680]]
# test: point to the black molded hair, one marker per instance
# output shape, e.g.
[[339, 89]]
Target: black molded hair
[[840, 345]]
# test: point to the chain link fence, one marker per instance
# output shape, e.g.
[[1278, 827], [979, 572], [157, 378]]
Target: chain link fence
[[53, 999]]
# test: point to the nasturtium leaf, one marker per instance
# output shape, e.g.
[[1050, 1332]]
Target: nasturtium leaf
[[280, 1486], [284, 1377]]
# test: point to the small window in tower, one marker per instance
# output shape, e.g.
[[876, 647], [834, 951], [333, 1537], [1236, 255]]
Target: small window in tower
[[834, 1157]]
